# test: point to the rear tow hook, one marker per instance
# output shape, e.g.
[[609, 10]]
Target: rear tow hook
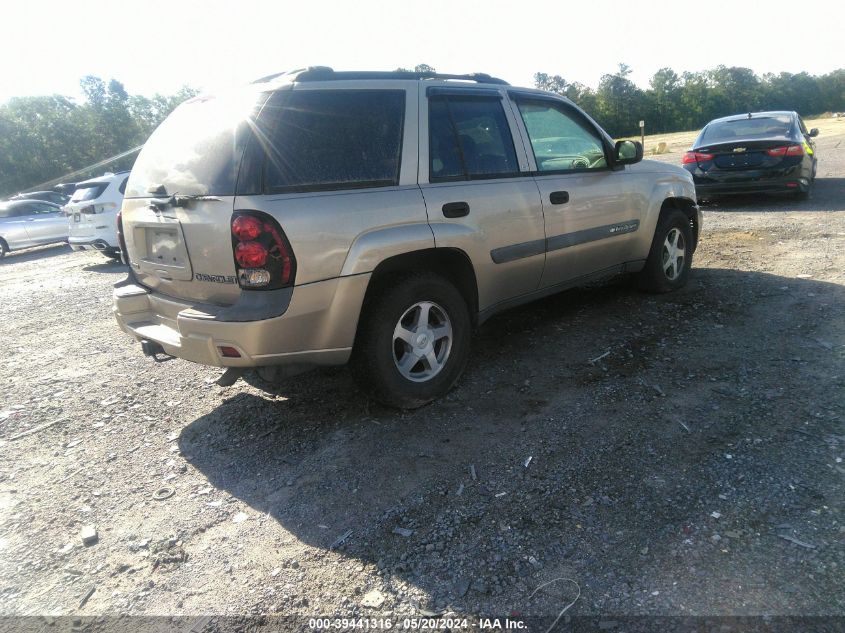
[[230, 376]]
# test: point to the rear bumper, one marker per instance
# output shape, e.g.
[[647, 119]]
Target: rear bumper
[[790, 185], [715, 182], [87, 243], [317, 327]]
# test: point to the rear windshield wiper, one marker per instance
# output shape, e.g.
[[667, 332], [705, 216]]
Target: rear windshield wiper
[[178, 201]]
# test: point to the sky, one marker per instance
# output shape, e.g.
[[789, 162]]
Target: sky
[[153, 46]]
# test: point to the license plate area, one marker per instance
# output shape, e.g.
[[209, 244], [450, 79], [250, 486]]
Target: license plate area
[[738, 161], [163, 252], [163, 246]]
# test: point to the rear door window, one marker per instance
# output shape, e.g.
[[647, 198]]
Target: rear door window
[[469, 138], [332, 139], [42, 209], [26, 208]]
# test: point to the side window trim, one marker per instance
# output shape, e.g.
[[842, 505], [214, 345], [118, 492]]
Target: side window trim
[[569, 109], [447, 94]]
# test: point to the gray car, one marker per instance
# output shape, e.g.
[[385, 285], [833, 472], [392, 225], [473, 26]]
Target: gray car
[[25, 223], [321, 217]]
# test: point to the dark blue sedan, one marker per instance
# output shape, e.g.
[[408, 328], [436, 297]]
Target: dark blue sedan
[[771, 152]]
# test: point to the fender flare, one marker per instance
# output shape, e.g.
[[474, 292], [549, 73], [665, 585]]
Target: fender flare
[[371, 248]]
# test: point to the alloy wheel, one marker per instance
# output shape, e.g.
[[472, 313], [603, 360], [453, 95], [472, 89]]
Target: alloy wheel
[[422, 341], [674, 254]]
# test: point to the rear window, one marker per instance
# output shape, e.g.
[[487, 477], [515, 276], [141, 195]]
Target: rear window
[[333, 139], [197, 149], [88, 192], [756, 128]]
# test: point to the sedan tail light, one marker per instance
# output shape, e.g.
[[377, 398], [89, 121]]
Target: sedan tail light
[[263, 256], [786, 150], [696, 157]]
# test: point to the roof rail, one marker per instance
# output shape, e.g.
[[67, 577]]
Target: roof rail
[[324, 73]]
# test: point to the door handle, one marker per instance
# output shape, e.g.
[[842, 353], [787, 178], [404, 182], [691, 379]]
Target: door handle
[[455, 209], [559, 197]]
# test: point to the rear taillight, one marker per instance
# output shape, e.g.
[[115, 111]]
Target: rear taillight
[[696, 157], [250, 254], [786, 150], [246, 227], [263, 256]]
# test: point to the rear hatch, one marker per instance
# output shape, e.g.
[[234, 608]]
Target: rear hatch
[[85, 209], [179, 200]]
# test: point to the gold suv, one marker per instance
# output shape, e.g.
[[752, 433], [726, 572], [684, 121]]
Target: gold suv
[[319, 217]]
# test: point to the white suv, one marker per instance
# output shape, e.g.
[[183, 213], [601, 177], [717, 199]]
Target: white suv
[[92, 214]]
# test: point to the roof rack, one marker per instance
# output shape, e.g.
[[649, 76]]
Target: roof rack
[[324, 73]]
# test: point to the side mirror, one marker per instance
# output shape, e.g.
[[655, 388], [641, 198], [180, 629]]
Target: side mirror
[[814, 131], [628, 152]]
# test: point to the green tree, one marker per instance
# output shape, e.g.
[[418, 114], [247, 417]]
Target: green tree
[[43, 138], [419, 68], [664, 98], [619, 103], [576, 92]]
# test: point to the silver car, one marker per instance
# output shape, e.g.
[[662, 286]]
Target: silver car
[[320, 217], [25, 223]]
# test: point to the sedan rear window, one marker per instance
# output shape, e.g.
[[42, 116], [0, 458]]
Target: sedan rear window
[[743, 129], [88, 192]]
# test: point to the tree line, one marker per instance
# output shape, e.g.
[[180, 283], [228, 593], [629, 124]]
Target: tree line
[[44, 138], [674, 103]]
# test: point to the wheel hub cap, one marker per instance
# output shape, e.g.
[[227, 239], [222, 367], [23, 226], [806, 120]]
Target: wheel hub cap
[[674, 254], [422, 341]]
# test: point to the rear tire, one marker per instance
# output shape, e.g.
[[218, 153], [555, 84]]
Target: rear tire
[[4, 248], [413, 341], [670, 258]]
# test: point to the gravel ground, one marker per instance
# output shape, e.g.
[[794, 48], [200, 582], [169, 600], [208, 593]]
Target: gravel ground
[[677, 454]]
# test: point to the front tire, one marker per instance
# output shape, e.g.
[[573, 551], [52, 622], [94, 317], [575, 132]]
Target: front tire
[[670, 258], [4, 248], [413, 341]]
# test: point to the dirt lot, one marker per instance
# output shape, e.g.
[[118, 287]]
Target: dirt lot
[[694, 466]]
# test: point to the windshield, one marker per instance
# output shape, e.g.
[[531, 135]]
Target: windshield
[[756, 128], [196, 151], [91, 191]]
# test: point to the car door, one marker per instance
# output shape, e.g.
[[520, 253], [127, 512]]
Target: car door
[[590, 218], [479, 195], [13, 221], [45, 223]]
